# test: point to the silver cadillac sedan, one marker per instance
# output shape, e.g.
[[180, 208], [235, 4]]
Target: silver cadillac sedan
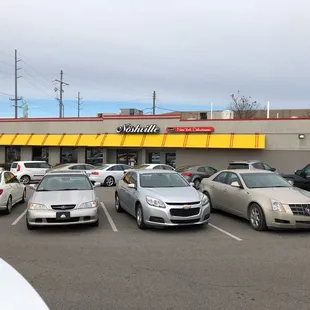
[[161, 198], [63, 199]]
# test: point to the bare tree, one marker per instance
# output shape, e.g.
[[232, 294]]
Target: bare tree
[[245, 107]]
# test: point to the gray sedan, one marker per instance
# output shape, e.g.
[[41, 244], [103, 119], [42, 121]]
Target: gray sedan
[[63, 199], [161, 198]]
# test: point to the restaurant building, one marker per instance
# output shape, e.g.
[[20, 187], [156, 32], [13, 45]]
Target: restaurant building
[[282, 143]]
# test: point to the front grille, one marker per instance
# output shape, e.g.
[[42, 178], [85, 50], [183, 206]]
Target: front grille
[[63, 207], [303, 222], [184, 212], [300, 209], [185, 221], [182, 203], [70, 220]]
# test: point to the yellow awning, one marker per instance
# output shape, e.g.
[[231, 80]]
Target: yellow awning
[[227, 141]]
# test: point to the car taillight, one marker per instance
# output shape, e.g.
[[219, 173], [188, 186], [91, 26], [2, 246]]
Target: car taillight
[[187, 174], [95, 173], [1, 191], [18, 167]]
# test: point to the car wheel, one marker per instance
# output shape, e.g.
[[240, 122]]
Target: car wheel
[[109, 181], [9, 206], [139, 217], [211, 206], [257, 217], [24, 196], [197, 183], [25, 179], [118, 206]]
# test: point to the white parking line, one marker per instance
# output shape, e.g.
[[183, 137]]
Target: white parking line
[[19, 218], [225, 232], [109, 217]]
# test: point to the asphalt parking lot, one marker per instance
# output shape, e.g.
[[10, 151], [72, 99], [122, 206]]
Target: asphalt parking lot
[[226, 265]]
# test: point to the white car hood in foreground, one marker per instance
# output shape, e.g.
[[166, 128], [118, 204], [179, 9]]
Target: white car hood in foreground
[[16, 292]]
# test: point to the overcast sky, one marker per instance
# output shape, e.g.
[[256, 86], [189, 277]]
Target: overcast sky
[[190, 52]]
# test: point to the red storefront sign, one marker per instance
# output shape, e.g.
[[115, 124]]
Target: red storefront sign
[[190, 129]]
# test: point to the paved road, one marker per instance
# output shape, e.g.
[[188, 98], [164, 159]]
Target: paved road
[[117, 266]]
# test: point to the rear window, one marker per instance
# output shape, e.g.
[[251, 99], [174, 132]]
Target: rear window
[[14, 165], [238, 166], [31, 165]]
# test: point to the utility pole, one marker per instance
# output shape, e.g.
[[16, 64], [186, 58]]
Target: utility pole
[[16, 99], [154, 101], [79, 104], [61, 91]]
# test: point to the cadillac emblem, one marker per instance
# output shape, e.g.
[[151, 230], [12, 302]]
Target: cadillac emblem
[[186, 207]]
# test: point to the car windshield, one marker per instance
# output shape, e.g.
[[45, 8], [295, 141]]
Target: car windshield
[[161, 180], [64, 183], [238, 166], [264, 180], [142, 166]]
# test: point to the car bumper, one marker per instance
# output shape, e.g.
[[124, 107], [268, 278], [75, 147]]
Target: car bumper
[[48, 217], [283, 220], [161, 217], [94, 179]]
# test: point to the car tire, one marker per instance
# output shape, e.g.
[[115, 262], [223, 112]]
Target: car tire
[[9, 205], [118, 206], [197, 183], [24, 196], [212, 210], [257, 217], [139, 217], [109, 181], [25, 179]]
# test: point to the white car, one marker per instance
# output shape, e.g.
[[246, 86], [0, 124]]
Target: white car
[[108, 174], [11, 191], [27, 171], [155, 166], [27, 298]]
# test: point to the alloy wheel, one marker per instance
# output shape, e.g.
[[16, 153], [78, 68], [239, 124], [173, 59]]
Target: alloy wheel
[[25, 179], [255, 217], [139, 216], [109, 181]]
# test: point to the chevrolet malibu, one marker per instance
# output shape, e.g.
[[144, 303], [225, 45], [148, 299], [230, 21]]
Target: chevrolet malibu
[[264, 198], [161, 198], [63, 199]]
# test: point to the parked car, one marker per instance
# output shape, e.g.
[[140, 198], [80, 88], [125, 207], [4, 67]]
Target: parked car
[[154, 166], [161, 198], [75, 167], [28, 298], [264, 198], [301, 178], [27, 171], [11, 191], [196, 173], [63, 199], [108, 174], [250, 164]]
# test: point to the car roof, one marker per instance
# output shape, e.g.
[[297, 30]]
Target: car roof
[[153, 171], [246, 171], [244, 161], [65, 172]]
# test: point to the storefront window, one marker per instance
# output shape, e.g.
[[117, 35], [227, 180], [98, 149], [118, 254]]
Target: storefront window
[[154, 158], [94, 155], [40, 153], [170, 159], [68, 155], [12, 153], [127, 157]]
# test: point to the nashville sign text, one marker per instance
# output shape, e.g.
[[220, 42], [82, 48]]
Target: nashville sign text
[[128, 128]]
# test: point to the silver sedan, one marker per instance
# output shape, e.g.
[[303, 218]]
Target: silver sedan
[[161, 198], [63, 199]]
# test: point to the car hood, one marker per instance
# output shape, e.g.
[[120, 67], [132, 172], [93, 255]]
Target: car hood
[[63, 197], [27, 297], [286, 195], [174, 194]]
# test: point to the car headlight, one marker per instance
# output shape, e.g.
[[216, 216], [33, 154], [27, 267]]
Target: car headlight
[[89, 204], [155, 202], [37, 206], [204, 200], [276, 205]]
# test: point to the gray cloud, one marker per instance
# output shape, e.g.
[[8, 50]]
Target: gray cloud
[[188, 51]]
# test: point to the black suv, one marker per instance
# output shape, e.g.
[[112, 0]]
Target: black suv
[[301, 178]]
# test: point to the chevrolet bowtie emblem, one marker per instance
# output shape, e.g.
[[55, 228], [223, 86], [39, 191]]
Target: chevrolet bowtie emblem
[[186, 207]]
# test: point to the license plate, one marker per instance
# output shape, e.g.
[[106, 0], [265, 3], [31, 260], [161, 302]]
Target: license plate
[[63, 215]]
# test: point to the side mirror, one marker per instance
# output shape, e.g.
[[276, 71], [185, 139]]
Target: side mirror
[[298, 172], [273, 169], [97, 184], [33, 186], [235, 184], [192, 184], [133, 186]]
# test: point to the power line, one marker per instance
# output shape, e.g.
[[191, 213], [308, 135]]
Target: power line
[[36, 79]]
